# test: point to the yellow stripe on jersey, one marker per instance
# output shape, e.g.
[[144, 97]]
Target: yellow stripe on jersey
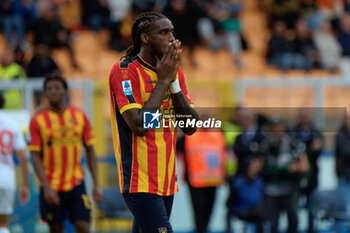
[[80, 119], [172, 164], [161, 161], [144, 95], [57, 151], [34, 148], [130, 106], [67, 116], [44, 139], [143, 164]]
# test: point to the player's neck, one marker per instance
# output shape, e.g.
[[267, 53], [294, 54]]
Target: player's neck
[[146, 55], [57, 107]]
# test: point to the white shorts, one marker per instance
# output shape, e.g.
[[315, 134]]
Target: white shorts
[[7, 197]]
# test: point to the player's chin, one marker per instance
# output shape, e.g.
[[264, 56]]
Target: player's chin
[[55, 99]]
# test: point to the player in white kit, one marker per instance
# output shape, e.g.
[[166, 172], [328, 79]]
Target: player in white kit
[[11, 140]]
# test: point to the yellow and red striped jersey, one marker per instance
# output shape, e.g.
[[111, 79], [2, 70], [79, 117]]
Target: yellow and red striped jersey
[[145, 164], [59, 137]]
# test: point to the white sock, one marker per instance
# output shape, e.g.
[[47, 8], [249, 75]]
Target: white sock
[[4, 230]]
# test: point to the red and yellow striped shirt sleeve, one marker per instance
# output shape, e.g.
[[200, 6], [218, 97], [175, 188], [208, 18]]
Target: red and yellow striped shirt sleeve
[[35, 138], [88, 136], [182, 82], [125, 85]]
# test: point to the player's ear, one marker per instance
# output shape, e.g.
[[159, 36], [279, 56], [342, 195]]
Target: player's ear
[[145, 38]]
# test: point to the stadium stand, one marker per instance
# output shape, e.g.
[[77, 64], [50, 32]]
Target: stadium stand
[[212, 82]]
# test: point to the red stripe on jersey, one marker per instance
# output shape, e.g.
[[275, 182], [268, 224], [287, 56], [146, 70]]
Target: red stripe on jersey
[[51, 162], [152, 161], [47, 119], [64, 154], [173, 176], [62, 124], [64, 167], [72, 113], [147, 80], [135, 167], [51, 165], [74, 178], [168, 146], [119, 162]]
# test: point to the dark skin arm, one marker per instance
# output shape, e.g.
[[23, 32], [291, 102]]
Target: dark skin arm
[[90, 155], [134, 117], [50, 194], [167, 69], [24, 191], [182, 107]]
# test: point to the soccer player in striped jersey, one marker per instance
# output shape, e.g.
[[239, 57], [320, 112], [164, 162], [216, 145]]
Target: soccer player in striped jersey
[[57, 134], [149, 81]]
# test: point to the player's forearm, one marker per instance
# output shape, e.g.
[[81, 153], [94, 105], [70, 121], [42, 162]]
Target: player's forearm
[[90, 154], [134, 118], [24, 166], [39, 169], [183, 108], [157, 96]]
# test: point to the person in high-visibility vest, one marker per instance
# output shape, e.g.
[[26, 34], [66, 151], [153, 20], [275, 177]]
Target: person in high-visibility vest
[[232, 129], [204, 161], [10, 70]]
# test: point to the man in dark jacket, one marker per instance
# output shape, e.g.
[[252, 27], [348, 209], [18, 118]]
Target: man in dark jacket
[[41, 65], [342, 152], [308, 134], [48, 30], [250, 142]]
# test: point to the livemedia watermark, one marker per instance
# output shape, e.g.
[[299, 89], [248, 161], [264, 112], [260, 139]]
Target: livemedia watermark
[[157, 120]]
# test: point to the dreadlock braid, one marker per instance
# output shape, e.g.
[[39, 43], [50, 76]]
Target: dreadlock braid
[[142, 24]]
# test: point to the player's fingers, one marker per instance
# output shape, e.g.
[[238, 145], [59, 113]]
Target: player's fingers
[[176, 56], [176, 52], [178, 44], [24, 196], [172, 50], [180, 53], [98, 197], [49, 201], [168, 52], [56, 199]]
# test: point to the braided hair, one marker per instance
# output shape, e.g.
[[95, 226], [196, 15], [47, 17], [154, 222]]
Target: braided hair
[[142, 24]]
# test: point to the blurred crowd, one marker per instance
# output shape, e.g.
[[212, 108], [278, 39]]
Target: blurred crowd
[[278, 170], [304, 34], [307, 34], [34, 28], [28, 24], [277, 166], [272, 168]]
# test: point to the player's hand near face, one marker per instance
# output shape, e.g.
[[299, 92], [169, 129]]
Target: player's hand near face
[[168, 66]]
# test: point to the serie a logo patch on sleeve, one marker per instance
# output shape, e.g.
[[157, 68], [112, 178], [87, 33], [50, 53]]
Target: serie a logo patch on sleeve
[[127, 87]]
